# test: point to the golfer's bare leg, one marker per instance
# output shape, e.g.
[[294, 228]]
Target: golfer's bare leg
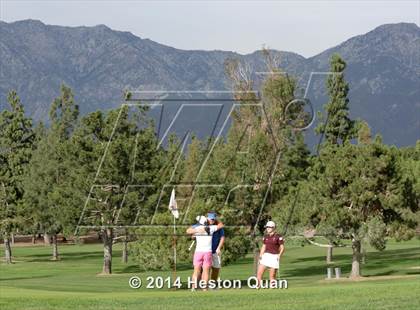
[[273, 275], [196, 276], [199, 275], [260, 272], [215, 273], [205, 276]]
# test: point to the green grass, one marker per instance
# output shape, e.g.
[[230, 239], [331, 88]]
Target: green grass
[[35, 282]]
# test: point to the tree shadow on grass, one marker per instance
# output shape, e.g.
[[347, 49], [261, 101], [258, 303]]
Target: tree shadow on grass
[[386, 255], [66, 256], [374, 260], [180, 266], [385, 273], [392, 255], [321, 258], [137, 269], [320, 270], [24, 278]]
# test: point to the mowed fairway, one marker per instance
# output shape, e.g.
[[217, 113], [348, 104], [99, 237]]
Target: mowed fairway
[[34, 282]]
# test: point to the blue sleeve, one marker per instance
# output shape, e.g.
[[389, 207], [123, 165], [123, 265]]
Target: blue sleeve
[[222, 232], [195, 225]]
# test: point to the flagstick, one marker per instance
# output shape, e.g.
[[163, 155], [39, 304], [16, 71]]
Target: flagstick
[[173, 208], [174, 244]]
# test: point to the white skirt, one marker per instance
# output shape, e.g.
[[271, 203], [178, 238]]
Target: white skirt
[[270, 260]]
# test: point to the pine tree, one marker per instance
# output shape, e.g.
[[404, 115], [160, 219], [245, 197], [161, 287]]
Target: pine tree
[[338, 127], [358, 194], [16, 143], [111, 152], [47, 184]]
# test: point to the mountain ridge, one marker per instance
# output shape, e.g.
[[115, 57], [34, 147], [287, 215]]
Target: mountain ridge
[[99, 62]]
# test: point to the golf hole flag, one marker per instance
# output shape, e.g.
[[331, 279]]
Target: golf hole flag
[[173, 205]]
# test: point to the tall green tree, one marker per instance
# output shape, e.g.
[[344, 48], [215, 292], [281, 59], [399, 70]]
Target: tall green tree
[[337, 128], [111, 153], [359, 195], [144, 184], [47, 183], [409, 169], [16, 144]]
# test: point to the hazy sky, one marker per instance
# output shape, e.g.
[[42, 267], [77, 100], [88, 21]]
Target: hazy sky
[[306, 27]]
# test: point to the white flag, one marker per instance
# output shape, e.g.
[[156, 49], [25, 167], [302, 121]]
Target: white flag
[[173, 207]]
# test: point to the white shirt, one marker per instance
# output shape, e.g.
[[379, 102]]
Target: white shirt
[[203, 240]]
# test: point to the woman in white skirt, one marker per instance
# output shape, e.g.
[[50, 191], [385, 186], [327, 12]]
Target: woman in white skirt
[[270, 253]]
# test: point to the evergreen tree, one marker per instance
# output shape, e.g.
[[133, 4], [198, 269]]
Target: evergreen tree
[[357, 194], [338, 127], [16, 143], [47, 184], [111, 152]]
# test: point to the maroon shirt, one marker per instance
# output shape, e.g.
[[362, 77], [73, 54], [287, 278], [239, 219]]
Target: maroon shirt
[[272, 243]]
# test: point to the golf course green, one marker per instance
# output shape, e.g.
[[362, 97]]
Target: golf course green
[[391, 280]]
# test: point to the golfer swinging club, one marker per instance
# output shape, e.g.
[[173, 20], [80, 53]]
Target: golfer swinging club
[[203, 254], [270, 253]]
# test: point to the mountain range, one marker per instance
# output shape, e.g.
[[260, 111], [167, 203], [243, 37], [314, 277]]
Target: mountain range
[[98, 63]]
